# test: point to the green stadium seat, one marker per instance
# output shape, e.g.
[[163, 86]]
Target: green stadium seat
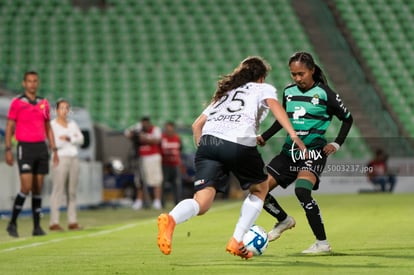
[[388, 29], [134, 58]]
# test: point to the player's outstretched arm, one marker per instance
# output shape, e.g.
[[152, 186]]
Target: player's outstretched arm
[[346, 125], [281, 115], [276, 127]]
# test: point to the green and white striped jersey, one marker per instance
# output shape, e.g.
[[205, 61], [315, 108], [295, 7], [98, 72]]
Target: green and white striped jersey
[[310, 113]]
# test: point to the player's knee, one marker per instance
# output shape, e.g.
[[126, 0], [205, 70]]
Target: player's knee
[[271, 182], [260, 190]]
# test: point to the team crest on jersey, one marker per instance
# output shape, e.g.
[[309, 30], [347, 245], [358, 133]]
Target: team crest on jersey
[[315, 99]]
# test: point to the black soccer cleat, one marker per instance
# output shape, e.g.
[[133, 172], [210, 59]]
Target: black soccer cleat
[[12, 230], [38, 231]]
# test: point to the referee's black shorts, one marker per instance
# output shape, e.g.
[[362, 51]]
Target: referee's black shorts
[[33, 157], [216, 158]]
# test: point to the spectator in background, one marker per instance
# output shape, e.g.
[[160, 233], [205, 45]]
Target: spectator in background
[[147, 138], [171, 162], [65, 176], [379, 174], [29, 120], [187, 175]]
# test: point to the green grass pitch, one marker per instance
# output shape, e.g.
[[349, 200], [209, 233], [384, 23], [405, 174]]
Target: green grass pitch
[[369, 234]]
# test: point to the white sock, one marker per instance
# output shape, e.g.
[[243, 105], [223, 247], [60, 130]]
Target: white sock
[[250, 211], [185, 210]]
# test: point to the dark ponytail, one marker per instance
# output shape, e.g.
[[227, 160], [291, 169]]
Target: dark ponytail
[[319, 76], [307, 59], [250, 70]]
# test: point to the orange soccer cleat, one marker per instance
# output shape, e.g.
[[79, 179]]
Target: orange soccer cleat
[[166, 225], [238, 249]]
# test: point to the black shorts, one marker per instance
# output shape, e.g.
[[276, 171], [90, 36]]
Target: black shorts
[[285, 171], [33, 158], [216, 158]]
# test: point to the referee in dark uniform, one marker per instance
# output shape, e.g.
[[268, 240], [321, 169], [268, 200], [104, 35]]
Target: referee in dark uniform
[[29, 120]]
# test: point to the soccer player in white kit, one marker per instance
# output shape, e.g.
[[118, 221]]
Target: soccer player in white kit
[[225, 135]]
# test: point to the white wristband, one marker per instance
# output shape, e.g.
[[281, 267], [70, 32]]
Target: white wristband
[[336, 145]]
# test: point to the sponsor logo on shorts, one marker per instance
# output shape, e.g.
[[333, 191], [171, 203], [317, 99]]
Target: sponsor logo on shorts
[[198, 182], [26, 167]]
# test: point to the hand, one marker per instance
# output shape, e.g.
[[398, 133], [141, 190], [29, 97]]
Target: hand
[[55, 159], [260, 141], [143, 138], [9, 158], [329, 149], [128, 135], [65, 138], [301, 145], [197, 141]]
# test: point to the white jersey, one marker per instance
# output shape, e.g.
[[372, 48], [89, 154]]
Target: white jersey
[[236, 117], [67, 148]]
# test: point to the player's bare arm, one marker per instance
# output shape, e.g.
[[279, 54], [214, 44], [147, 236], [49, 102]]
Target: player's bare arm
[[280, 113], [198, 127]]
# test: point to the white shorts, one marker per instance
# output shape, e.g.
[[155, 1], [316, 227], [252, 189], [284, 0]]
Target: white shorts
[[152, 170]]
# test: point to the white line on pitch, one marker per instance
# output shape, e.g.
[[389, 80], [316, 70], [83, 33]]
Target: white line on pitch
[[104, 232]]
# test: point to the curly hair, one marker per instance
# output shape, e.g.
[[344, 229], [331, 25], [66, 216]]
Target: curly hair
[[250, 69]]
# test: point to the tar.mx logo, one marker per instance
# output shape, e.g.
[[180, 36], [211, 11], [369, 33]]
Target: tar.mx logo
[[298, 154]]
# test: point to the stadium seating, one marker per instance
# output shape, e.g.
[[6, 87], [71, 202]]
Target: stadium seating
[[156, 57], [383, 32]]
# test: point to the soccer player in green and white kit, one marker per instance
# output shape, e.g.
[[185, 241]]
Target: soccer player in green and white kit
[[310, 105]]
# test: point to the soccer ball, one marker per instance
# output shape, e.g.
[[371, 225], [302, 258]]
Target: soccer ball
[[255, 240]]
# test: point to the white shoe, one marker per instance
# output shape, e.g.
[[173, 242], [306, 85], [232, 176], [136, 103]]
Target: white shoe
[[157, 204], [279, 227], [137, 205], [317, 248]]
